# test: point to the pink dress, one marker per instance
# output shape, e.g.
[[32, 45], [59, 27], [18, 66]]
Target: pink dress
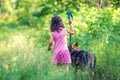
[[61, 53]]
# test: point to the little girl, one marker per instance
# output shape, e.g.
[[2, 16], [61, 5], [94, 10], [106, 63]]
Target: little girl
[[58, 33]]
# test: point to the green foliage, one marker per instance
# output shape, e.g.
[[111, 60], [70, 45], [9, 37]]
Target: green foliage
[[116, 3]]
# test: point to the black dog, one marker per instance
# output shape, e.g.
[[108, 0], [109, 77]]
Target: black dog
[[82, 59]]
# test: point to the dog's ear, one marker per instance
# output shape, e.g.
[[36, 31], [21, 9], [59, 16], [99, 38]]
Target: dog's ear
[[70, 45], [76, 44]]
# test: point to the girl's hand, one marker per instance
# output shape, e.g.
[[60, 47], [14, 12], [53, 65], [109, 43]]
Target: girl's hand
[[49, 48], [70, 22]]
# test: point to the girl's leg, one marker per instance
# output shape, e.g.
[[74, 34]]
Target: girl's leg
[[67, 67]]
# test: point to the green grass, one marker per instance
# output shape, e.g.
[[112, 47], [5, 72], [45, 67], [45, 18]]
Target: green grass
[[24, 55]]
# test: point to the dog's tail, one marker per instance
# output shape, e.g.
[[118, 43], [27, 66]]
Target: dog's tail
[[93, 64]]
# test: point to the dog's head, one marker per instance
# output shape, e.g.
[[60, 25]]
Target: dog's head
[[73, 47]]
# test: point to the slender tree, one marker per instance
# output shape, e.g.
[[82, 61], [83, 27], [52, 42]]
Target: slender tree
[[99, 4]]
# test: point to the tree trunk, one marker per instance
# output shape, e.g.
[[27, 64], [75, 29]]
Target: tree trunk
[[99, 4]]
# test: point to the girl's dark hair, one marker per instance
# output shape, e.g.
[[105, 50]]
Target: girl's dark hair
[[56, 23]]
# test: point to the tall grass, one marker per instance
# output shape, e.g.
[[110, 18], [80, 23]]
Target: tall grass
[[21, 59], [24, 55]]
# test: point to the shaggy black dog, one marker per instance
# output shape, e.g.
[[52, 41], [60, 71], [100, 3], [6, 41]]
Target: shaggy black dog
[[82, 59]]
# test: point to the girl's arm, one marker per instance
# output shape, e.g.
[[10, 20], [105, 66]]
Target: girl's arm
[[71, 31], [50, 42]]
